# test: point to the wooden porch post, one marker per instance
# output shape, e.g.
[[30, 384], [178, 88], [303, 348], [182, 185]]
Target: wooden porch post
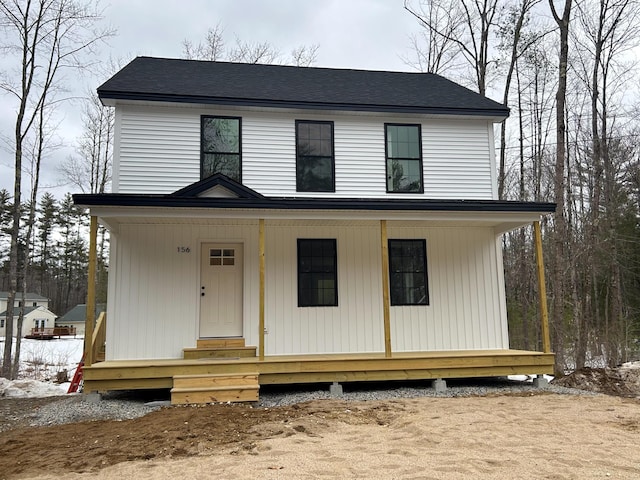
[[91, 292], [542, 290], [385, 288], [261, 306]]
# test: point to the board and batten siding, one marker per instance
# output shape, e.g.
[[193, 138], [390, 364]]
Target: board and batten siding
[[356, 324], [159, 152], [466, 288], [154, 289]]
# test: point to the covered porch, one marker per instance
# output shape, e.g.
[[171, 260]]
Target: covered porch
[[202, 377], [160, 295]]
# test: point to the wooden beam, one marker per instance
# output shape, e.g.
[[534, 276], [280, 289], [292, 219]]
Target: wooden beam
[[140, 374], [385, 288], [262, 286], [542, 290], [91, 292]]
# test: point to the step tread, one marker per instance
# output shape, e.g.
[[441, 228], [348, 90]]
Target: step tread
[[217, 375], [204, 397], [215, 389], [222, 349], [221, 342]]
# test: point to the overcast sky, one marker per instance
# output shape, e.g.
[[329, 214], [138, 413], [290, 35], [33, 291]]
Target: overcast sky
[[364, 34]]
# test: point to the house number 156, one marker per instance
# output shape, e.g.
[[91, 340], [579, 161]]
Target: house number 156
[[184, 249]]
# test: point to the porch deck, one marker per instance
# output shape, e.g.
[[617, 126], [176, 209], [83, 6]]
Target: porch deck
[[289, 369]]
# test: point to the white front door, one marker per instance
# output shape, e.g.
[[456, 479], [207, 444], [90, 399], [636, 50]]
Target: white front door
[[221, 290]]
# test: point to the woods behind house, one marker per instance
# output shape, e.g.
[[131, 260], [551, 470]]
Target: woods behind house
[[568, 71]]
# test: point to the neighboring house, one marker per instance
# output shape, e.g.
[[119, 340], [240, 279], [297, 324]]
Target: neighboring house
[[344, 222], [77, 316], [34, 317], [31, 300]]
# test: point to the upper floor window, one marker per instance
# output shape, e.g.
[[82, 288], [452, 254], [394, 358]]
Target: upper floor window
[[403, 148], [221, 147], [315, 162]]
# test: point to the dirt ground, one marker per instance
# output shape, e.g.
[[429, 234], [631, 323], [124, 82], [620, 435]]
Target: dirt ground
[[536, 435], [171, 432]]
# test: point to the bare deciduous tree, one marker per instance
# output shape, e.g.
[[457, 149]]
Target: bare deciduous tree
[[214, 48], [559, 261], [465, 23], [90, 168], [434, 49], [46, 37], [305, 55]]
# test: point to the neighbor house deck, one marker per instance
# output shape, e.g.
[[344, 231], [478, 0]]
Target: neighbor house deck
[[288, 369]]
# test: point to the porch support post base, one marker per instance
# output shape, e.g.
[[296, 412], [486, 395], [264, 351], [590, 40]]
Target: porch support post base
[[93, 397], [439, 385], [335, 389], [540, 382]]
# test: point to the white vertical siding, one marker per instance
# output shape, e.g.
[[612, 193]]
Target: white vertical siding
[[159, 152], [465, 309], [153, 290], [153, 307], [355, 325]]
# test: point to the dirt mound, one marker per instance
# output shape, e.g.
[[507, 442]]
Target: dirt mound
[[622, 381], [171, 432]]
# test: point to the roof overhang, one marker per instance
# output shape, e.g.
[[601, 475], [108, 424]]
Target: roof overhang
[[113, 98], [116, 209]]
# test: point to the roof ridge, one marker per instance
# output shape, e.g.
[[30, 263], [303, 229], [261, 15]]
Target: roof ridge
[[284, 65]]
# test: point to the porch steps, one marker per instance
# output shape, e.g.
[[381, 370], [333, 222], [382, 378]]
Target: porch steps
[[194, 389], [218, 352], [220, 342]]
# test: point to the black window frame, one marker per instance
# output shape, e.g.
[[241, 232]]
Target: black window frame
[[202, 143], [387, 158], [394, 301], [303, 300], [333, 155]]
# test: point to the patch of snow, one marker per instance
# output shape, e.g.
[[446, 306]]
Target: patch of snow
[[40, 363], [43, 359], [630, 366], [29, 388]]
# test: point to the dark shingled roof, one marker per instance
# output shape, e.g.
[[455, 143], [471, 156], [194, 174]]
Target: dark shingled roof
[[27, 310], [223, 83], [79, 313]]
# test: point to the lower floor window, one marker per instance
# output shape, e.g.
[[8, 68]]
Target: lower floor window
[[408, 281], [317, 273]]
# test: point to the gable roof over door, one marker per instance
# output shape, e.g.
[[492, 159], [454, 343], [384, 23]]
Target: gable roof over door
[[224, 83]]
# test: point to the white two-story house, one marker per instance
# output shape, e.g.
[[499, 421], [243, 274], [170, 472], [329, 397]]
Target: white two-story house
[[36, 313], [314, 214]]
